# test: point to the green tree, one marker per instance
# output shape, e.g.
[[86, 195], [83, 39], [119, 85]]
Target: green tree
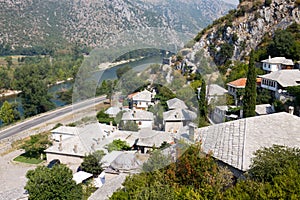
[[163, 95], [31, 81], [249, 100], [129, 126], [55, 183], [271, 162], [5, 79], [226, 52], [9, 61], [282, 44], [157, 161], [92, 164], [7, 113], [145, 186], [117, 145], [295, 91], [104, 118], [203, 105], [36, 145]]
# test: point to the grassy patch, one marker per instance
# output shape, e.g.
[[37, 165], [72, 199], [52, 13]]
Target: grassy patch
[[26, 159]]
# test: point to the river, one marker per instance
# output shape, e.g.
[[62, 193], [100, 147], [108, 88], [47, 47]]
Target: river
[[109, 73]]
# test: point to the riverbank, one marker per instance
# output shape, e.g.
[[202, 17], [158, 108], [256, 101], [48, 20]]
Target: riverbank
[[108, 65], [60, 82], [9, 93]]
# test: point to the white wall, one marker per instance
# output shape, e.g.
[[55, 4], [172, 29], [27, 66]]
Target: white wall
[[271, 67], [65, 159]]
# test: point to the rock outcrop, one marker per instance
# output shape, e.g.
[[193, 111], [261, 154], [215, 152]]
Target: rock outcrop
[[244, 28]]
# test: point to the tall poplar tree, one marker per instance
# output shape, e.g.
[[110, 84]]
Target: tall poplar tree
[[249, 100]]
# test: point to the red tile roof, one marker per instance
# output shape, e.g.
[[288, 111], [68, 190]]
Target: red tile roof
[[241, 83], [132, 95], [238, 83]]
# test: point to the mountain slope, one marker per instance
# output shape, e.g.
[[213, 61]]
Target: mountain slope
[[34, 22], [234, 35]]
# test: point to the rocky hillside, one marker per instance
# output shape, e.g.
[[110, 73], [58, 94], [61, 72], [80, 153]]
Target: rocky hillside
[[90, 22], [234, 35]]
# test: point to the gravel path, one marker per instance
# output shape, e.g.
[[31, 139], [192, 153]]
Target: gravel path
[[12, 176]]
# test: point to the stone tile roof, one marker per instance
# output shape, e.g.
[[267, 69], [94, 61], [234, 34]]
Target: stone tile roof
[[176, 103], [214, 89], [278, 60], [112, 111], [179, 115], [128, 162], [284, 77], [91, 137], [65, 130], [111, 185], [235, 142], [145, 95], [149, 138], [137, 115]]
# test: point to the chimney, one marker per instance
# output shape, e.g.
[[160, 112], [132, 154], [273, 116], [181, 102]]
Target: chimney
[[60, 146], [60, 137], [93, 147], [291, 110], [111, 123], [98, 140], [269, 58], [75, 148], [192, 130]]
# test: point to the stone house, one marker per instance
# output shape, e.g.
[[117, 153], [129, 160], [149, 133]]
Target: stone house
[[278, 81], [144, 119], [276, 64]]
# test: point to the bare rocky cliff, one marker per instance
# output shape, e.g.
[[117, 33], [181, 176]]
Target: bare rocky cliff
[[233, 36]]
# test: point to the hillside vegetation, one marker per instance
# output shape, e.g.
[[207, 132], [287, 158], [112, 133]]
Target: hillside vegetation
[[59, 22]]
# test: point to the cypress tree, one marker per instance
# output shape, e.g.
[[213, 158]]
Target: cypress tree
[[203, 104], [249, 100]]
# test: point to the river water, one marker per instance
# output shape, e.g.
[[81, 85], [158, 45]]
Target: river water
[[110, 73]]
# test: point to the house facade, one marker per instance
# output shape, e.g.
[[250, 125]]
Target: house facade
[[141, 100], [174, 120], [236, 87], [278, 81], [276, 64], [144, 119]]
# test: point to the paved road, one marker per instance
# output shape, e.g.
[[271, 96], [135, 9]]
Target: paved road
[[43, 118]]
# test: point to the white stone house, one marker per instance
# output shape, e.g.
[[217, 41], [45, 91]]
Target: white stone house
[[144, 119], [278, 81], [141, 100], [90, 138], [276, 64], [176, 119]]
